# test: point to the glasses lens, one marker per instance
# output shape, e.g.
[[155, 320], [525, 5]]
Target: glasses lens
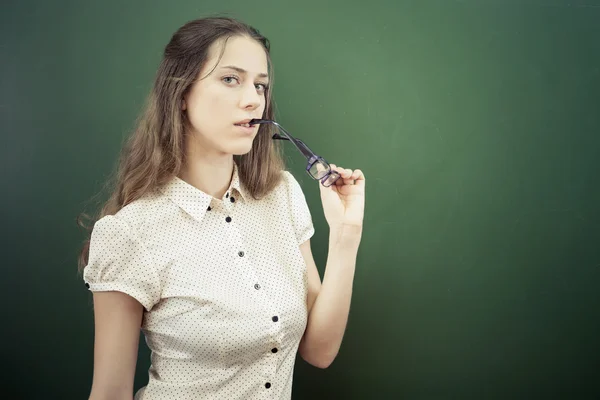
[[319, 169], [330, 180]]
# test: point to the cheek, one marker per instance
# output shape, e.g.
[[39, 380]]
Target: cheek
[[207, 100], [263, 107], [203, 110], [197, 114]]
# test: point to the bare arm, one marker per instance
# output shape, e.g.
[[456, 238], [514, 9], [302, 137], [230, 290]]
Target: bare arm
[[328, 302], [117, 318]]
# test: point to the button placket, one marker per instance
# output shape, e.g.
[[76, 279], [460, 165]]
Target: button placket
[[236, 240], [246, 268], [229, 205], [238, 248], [271, 359]]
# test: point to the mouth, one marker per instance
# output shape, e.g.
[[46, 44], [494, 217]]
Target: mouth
[[246, 123]]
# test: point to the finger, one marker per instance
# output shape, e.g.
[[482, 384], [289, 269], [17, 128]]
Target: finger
[[337, 169], [358, 175], [360, 178], [345, 172], [349, 177]]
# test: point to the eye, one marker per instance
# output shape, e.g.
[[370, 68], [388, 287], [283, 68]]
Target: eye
[[228, 79], [261, 87]]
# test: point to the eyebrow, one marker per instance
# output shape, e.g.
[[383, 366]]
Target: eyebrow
[[243, 71]]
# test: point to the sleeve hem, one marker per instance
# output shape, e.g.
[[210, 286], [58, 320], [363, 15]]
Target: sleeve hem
[[117, 287], [307, 235]]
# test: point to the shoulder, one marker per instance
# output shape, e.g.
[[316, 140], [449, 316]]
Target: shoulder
[[291, 192], [288, 190], [297, 207], [135, 216], [289, 184]]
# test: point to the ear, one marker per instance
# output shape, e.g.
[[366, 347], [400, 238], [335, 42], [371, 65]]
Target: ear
[[183, 105]]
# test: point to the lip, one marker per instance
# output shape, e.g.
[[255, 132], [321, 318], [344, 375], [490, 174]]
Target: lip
[[244, 121], [247, 130]]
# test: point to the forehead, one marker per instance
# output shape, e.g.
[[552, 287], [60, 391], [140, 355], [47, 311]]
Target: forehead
[[239, 51]]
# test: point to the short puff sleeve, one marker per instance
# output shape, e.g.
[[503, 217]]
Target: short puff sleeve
[[301, 217], [119, 261]]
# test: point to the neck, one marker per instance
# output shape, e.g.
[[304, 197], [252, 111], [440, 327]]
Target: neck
[[210, 174]]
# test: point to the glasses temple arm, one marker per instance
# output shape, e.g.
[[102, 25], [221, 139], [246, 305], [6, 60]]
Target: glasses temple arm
[[303, 148]]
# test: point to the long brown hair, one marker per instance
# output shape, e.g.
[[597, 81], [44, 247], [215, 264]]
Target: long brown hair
[[154, 153]]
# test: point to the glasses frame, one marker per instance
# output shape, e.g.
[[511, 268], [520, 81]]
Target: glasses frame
[[310, 155]]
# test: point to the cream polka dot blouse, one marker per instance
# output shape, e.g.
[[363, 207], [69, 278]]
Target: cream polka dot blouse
[[223, 284]]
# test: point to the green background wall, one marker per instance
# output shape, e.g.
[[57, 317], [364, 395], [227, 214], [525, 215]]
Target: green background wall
[[476, 123]]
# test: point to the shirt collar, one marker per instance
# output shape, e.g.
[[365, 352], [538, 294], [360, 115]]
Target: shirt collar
[[194, 201], [236, 185]]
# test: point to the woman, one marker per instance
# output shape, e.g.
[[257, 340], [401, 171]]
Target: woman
[[204, 244]]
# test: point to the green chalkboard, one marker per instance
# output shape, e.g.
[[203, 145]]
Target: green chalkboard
[[476, 123]]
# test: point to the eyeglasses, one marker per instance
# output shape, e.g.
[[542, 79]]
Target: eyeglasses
[[317, 167]]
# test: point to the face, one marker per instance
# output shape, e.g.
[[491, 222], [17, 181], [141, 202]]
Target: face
[[233, 93]]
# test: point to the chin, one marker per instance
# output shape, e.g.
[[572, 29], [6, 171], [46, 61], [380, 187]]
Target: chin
[[241, 150], [238, 146]]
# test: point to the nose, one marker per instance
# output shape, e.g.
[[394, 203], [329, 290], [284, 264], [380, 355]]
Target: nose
[[250, 99]]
